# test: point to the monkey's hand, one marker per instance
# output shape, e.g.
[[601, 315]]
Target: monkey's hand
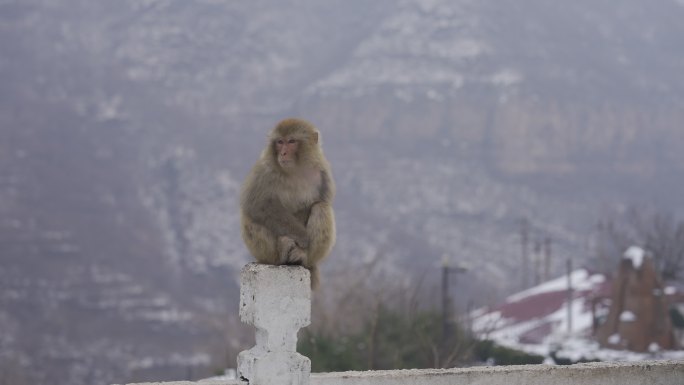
[[301, 241], [289, 252]]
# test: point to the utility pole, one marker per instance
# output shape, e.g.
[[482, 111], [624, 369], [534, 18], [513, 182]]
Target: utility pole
[[569, 292], [537, 263], [524, 230], [601, 231], [547, 258], [446, 301]]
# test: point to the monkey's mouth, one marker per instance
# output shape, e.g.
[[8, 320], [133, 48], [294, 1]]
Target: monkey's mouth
[[286, 163]]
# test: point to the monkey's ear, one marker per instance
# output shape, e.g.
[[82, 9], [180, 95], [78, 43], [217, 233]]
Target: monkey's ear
[[314, 137]]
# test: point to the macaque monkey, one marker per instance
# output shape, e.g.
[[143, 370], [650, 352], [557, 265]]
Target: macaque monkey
[[286, 200]]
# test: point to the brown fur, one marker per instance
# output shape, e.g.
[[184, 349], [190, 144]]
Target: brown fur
[[286, 213]]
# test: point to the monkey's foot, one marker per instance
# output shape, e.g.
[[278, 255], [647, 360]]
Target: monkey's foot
[[289, 253], [296, 256]]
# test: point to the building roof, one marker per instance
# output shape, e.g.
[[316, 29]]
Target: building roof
[[538, 320]]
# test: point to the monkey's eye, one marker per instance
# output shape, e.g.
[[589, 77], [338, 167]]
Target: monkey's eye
[[280, 141], [291, 141]]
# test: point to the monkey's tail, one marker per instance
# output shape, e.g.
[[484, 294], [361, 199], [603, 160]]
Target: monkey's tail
[[315, 278]]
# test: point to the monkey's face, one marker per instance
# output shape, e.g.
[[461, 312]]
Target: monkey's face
[[286, 150]]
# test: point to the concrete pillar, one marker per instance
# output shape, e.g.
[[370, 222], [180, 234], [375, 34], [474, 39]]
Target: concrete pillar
[[276, 300]]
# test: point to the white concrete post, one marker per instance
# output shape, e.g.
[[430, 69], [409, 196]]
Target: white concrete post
[[277, 301]]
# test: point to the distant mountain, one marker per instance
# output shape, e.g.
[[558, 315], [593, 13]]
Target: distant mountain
[[127, 127], [528, 87]]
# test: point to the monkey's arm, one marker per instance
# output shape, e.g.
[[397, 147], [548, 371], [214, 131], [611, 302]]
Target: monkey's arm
[[320, 226], [321, 231]]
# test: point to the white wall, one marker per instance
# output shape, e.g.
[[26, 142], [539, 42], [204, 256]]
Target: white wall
[[640, 373], [635, 373]]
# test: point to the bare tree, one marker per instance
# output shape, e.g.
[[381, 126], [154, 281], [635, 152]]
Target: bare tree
[[659, 233], [393, 320]]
